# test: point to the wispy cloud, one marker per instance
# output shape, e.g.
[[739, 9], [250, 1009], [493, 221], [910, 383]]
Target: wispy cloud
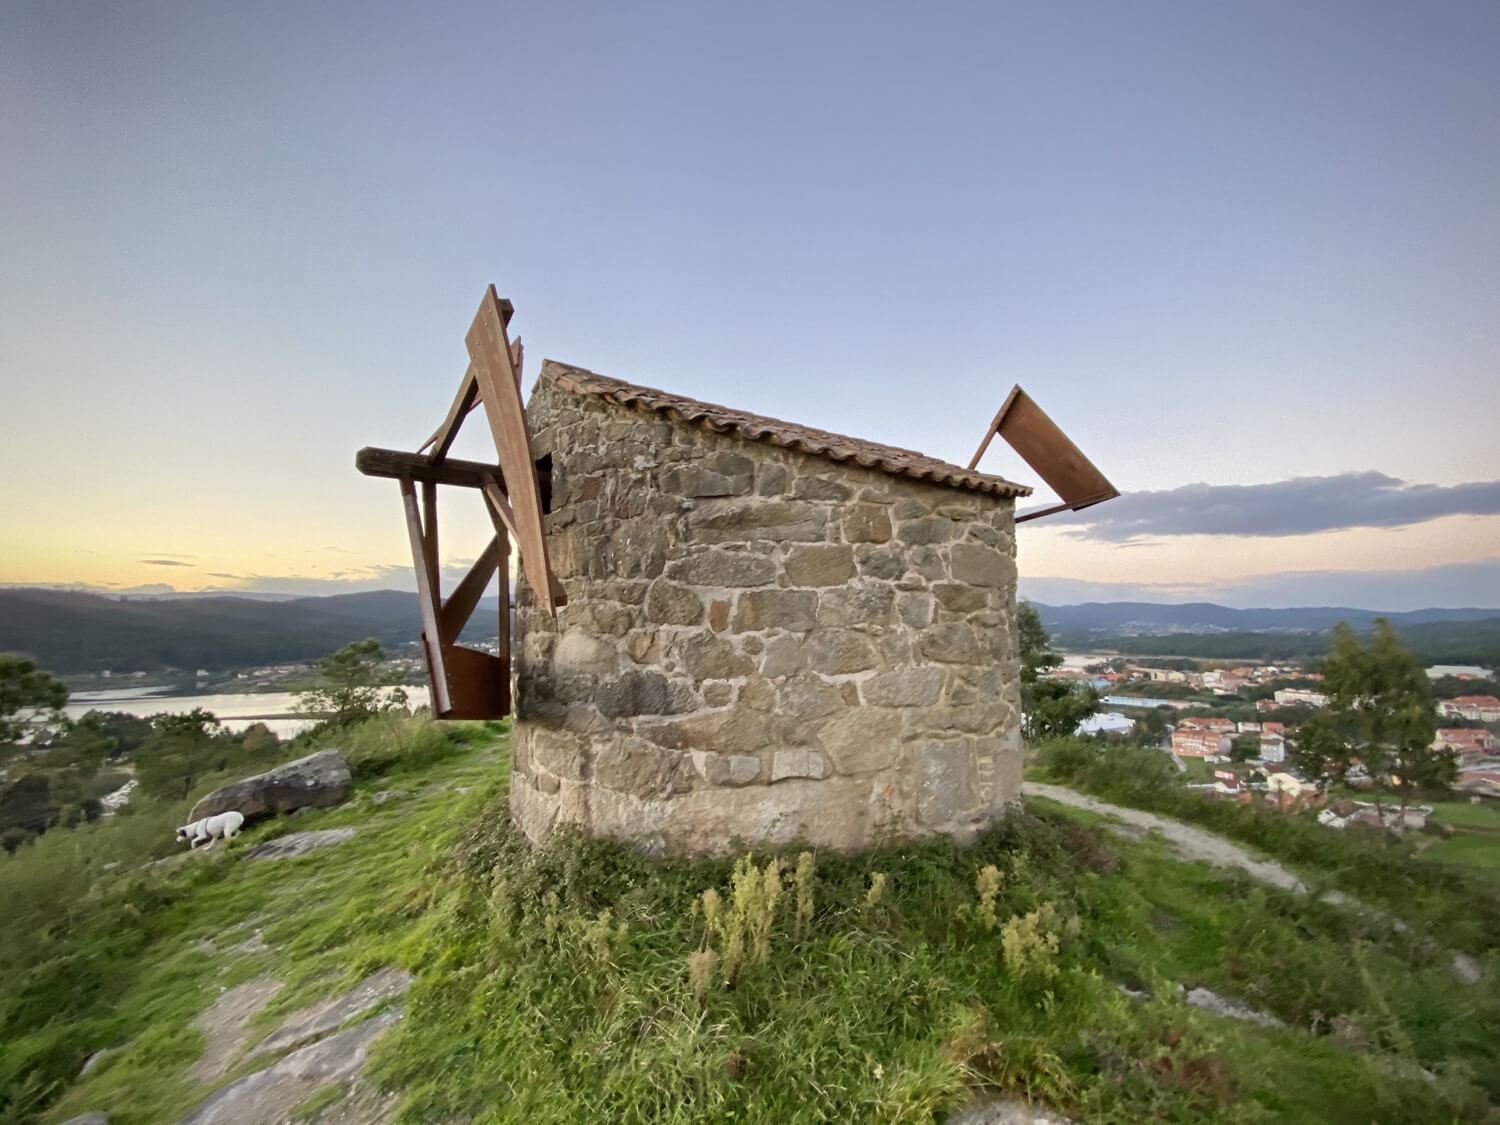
[[1300, 506], [166, 562]]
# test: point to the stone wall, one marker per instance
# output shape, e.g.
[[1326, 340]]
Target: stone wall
[[759, 645]]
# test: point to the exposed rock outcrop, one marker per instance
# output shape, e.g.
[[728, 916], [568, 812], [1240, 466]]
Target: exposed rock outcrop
[[294, 844], [316, 781]]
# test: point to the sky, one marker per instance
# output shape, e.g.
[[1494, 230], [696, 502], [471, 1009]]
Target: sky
[[1246, 254]]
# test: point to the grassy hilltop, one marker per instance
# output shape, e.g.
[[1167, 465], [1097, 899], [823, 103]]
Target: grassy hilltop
[[585, 983]]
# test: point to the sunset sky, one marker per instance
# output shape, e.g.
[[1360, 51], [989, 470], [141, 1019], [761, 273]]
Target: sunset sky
[[1246, 254]]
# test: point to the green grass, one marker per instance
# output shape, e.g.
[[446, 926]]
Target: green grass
[[1474, 851], [1459, 904], [553, 984], [1465, 815]]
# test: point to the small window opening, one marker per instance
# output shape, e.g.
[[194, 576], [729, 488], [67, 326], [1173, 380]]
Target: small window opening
[[544, 482]]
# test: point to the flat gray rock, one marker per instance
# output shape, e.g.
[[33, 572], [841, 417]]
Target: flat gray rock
[[294, 844], [224, 1026], [88, 1119], [320, 1019], [316, 781], [1007, 1111], [1234, 1009], [268, 1096]]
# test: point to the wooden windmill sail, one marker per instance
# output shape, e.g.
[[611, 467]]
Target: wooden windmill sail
[[466, 683]]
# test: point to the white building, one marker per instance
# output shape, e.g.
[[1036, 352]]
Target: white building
[[1108, 722], [1292, 697]]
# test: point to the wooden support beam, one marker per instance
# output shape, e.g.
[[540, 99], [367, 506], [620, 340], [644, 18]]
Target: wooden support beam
[[464, 401], [430, 536], [427, 604], [499, 505], [490, 352], [397, 465], [459, 606]]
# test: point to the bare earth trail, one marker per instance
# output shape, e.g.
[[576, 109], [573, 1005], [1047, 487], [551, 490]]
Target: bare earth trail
[[1196, 844]]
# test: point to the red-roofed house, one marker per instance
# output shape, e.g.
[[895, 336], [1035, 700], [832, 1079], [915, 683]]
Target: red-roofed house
[[1192, 742], [1221, 726], [1481, 708], [1470, 744]]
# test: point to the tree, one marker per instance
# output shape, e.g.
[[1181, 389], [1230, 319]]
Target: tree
[[181, 749], [1379, 714], [27, 694], [356, 684], [1049, 707], [1245, 748]]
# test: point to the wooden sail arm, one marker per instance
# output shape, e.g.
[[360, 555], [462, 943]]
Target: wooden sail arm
[[465, 401]]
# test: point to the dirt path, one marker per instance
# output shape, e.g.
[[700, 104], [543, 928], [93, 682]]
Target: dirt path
[[1190, 842], [1195, 843]]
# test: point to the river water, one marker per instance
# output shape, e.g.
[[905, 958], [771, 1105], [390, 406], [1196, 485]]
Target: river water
[[277, 709]]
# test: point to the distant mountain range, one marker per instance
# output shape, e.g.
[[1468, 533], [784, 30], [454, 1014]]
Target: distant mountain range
[[1124, 618], [1208, 631], [70, 631]]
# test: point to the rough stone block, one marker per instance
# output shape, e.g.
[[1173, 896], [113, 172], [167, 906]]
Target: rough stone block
[[951, 642], [636, 767], [947, 783], [881, 562], [827, 564], [731, 770], [926, 531], [776, 520], [641, 693], [867, 523], [907, 687], [583, 653], [915, 610], [669, 604], [722, 568], [799, 763], [836, 652], [981, 566], [782, 657], [818, 487], [862, 740], [864, 604], [792, 610], [959, 598], [705, 656]]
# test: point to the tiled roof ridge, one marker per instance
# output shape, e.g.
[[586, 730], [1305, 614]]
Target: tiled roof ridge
[[758, 427]]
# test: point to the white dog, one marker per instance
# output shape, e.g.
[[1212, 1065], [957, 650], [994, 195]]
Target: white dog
[[225, 826]]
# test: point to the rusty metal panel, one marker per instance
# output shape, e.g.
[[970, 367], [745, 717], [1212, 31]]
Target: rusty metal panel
[[478, 684], [1028, 430]]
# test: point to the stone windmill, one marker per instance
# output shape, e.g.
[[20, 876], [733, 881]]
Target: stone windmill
[[731, 629]]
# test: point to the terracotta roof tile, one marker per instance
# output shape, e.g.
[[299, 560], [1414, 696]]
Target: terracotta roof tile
[[757, 427]]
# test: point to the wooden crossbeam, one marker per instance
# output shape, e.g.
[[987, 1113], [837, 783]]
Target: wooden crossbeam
[[393, 463]]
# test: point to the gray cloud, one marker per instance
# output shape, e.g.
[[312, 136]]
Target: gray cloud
[[1301, 506], [165, 562]]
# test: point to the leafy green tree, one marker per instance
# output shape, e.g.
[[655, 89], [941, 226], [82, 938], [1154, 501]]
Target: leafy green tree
[[1379, 714], [1050, 707], [181, 749], [27, 694], [1245, 748], [355, 684]]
